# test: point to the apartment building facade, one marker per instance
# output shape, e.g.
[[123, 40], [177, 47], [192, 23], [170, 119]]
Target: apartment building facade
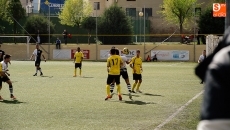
[[150, 7]]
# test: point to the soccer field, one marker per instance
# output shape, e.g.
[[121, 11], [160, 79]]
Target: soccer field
[[59, 101]]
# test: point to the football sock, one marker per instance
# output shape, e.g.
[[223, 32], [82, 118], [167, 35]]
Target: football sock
[[118, 89], [75, 71], [107, 90], [134, 85], [40, 70], [80, 71], [138, 86], [11, 89], [129, 87], [111, 87], [36, 70]]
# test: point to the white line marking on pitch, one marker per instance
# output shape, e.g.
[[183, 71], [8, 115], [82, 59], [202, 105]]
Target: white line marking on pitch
[[178, 111]]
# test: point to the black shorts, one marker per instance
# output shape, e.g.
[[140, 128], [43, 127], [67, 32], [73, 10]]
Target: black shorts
[[137, 77], [0, 81], [78, 65], [124, 73], [111, 78], [37, 62], [5, 78]]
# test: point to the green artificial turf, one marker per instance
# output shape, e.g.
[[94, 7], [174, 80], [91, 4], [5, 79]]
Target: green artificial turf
[[59, 101]]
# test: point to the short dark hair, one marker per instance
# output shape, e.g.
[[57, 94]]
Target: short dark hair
[[113, 51], [117, 51], [7, 56], [138, 51]]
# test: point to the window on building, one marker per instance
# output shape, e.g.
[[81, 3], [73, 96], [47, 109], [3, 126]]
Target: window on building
[[131, 12], [131, 0], [96, 5], [148, 12]]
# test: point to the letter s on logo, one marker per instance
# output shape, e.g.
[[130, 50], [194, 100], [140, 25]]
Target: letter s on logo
[[216, 7]]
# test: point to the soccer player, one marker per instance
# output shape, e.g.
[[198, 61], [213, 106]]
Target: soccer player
[[5, 75], [113, 47], [37, 54], [2, 53], [136, 65], [1, 99], [78, 57], [201, 59], [113, 83], [124, 74], [114, 63]]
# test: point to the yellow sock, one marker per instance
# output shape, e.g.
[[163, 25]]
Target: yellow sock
[[80, 72], [75, 71], [134, 85], [118, 89], [138, 86], [108, 90]]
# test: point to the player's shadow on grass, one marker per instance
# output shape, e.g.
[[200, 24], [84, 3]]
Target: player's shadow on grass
[[86, 77], [11, 102], [149, 94], [132, 95], [136, 102], [14, 81], [47, 76]]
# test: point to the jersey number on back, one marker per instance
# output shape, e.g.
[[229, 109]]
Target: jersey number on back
[[115, 61]]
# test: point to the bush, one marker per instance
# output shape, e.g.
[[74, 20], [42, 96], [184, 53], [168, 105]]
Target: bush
[[209, 24], [34, 23], [115, 22]]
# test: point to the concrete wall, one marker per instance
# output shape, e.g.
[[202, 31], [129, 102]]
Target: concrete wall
[[19, 51]]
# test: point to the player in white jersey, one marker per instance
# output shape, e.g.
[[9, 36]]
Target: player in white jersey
[[37, 54], [124, 74], [5, 75]]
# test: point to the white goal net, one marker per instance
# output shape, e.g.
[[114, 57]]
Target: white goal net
[[211, 43], [21, 39]]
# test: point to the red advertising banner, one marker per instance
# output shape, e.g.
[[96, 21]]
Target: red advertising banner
[[85, 53]]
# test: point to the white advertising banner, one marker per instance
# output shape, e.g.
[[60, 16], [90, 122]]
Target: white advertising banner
[[180, 55], [104, 54], [61, 54]]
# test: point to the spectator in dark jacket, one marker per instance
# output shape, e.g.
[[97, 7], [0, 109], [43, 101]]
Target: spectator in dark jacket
[[58, 43], [65, 36]]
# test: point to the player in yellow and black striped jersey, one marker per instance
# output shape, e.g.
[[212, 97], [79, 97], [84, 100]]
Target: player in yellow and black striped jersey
[[114, 63], [136, 65]]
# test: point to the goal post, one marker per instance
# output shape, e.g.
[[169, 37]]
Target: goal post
[[211, 43], [27, 43]]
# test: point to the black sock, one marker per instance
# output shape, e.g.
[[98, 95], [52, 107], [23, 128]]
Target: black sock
[[11, 89]]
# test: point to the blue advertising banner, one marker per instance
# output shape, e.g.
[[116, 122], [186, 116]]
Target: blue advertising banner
[[54, 5]]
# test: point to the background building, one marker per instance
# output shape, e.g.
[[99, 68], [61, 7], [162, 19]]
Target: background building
[[154, 23]]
